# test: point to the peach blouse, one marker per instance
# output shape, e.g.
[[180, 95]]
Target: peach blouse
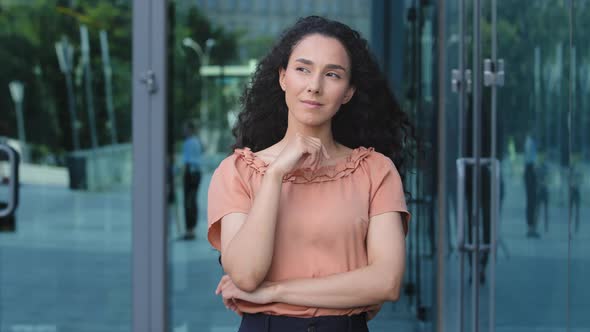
[[323, 216]]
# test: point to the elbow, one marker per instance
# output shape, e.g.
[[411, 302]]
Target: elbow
[[245, 282], [244, 279], [392, 290], [248, 281], [392, 295]]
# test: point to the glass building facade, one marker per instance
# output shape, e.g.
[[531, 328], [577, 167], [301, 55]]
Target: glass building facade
[[94, 96]]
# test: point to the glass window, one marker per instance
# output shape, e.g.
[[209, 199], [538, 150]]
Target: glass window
[[65, 82], [306, 6], [244, 5]]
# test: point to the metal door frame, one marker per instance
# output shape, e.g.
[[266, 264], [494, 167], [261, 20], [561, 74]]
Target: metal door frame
[[464, 80], [149, 86], [149, 89]]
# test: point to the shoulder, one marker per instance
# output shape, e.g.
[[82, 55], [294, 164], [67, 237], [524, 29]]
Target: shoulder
[[229, 164], [241, 162], [378, 161], [379, 167]]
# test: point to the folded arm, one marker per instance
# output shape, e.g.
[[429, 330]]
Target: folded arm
[[376, 283], [247, 241]]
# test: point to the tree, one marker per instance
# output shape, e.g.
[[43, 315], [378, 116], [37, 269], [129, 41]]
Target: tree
[[28, 35]]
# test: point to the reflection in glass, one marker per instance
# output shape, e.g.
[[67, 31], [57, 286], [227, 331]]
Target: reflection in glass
[[532, 108], [64, 84], [579, 169]]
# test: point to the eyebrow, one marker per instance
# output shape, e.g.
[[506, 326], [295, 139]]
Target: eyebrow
[[329, 66]]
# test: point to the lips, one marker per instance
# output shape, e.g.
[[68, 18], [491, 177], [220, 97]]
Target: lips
[[312, 103]]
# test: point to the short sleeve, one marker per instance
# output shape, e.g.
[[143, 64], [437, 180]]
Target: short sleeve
[[228, 193], [387, 191]]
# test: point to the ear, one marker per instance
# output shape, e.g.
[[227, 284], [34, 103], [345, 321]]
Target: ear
[[348, 95], [282, 78]]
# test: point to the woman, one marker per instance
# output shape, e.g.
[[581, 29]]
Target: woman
[[309, 211]]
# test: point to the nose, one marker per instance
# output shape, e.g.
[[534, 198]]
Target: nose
[[314, 85]]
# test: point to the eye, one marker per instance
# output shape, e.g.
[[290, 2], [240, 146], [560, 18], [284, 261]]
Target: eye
[[334, 75], [302, 69]]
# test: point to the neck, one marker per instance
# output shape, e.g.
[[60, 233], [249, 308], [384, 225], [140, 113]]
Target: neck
[[324, 133]]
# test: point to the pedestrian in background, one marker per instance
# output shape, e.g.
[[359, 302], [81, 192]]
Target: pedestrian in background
[[530, 183], [192, 151]]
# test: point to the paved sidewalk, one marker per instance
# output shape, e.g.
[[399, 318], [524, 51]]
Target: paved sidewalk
[[68, 268]]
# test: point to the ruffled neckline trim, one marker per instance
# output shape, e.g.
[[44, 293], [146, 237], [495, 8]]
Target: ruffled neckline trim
[[343, 168]]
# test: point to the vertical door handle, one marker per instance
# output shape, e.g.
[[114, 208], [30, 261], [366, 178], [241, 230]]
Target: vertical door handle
[[468, 81], [460, 234], [456, 80], [495, 171], [493, 73], [460, 204], [459, 80], [13, 160], [489, 76], [500, 73]]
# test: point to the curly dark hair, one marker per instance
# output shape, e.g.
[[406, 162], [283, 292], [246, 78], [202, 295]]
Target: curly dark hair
[[372, 118]]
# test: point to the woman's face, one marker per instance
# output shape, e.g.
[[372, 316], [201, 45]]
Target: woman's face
[[317, 80]]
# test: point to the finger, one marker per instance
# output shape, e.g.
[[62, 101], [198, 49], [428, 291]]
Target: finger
[[235, 305], [318, 143], [218, 289], [325, 152], [310, 153], [222, 282], [313, 141], [227, 295], [220, 286], [230, 292], [320, 161], [226, 283], [312, 158], [230, 304], [319, 148], [226, 303]]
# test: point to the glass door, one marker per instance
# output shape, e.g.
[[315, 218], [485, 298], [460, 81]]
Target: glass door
[[476, 171], [532, 108], [507, 166], [579, 173], [65, 108]]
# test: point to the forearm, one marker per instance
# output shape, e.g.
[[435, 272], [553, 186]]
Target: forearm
[[248, 255], [366, 286]]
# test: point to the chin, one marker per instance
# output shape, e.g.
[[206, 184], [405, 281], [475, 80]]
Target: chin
[[313, 120]]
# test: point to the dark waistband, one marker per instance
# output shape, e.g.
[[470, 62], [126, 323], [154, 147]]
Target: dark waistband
[[273, 323]]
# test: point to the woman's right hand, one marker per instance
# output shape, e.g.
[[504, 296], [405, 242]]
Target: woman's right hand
[[300, 152]]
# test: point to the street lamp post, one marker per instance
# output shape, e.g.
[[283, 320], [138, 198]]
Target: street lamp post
[[585, 93], [17, 92], [108, 74], [585, 87], [204, 58], [65, 57], [88, 84], [538, 112]]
